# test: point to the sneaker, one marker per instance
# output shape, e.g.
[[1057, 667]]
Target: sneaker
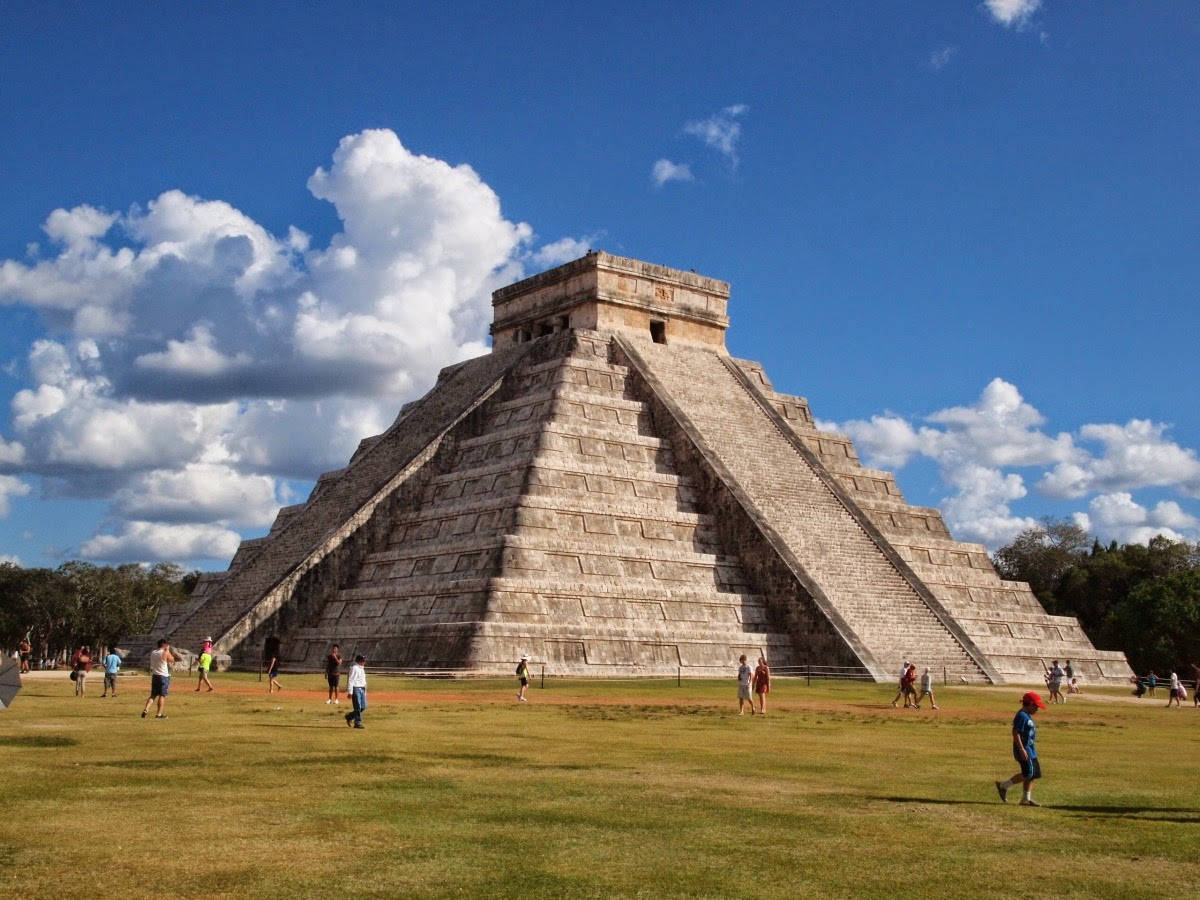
[[1030, 803], [1002, 791], [349, 719], [143, 714], [327, 702], [360, 726], [161, 716], [337, 702]]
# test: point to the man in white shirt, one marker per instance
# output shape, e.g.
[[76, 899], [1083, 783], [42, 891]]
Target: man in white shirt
[[160, 677], [356, 687]]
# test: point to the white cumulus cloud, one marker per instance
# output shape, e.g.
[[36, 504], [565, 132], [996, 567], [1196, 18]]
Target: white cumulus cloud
[[976, 447], [721, 131], [198, 360], [664, 170], [10, 487], [152, 541], [1013, 13], [1119, 517]]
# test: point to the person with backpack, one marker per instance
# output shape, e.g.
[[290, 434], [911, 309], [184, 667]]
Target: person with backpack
[[81, 664], [523, 675], [204, 664]]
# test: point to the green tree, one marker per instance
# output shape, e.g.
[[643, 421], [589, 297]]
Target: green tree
[[1159, 621], [1042, 555]]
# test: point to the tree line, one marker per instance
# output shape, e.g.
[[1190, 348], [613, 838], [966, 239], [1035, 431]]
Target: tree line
[[80, 603], [1143, 599]]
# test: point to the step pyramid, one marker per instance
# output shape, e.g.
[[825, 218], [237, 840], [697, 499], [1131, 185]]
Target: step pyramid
[[609, 492]]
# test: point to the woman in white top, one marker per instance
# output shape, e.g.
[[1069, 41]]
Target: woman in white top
[[1176, 690]]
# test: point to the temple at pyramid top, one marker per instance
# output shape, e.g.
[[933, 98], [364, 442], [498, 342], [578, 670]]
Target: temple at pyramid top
[[610, 493], [602, 292]]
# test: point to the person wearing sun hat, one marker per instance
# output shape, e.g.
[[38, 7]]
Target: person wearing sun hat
[[1024, 734]]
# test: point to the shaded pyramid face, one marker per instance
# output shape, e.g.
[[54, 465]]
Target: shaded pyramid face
[[610, 493]]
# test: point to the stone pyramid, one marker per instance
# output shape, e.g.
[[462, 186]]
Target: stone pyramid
[[611, 493]]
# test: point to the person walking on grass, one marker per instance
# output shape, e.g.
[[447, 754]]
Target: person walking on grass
[[900, 689], [762, 684], [273, 675], [204, 665], [161, 661], [112, 665], [81, 664], [24, 651], [1054, 680], [333, 667], [356, 690], [1195, 685], [1176, 691], [926, 689], [744, 674], [1024, 748], [523, 677]]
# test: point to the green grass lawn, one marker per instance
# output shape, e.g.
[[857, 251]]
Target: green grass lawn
[[590, 789]]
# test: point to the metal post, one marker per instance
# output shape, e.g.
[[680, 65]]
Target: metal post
[[945, 677], [808, 673], [679, 676], [543, 684]]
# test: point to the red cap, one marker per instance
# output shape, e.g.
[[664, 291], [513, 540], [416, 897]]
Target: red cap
[[1032, 697]]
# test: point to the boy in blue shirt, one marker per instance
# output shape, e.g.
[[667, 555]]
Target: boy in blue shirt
[[112, 665], [1024, 734]]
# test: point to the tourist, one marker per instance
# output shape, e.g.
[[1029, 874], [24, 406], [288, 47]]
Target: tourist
[[1024, 749], [1195, 684], [744, 674], [356, 690], [908, 687], [1139, 686], [1151, 683], [112, 665], [204, 665], [333, 666], [24, 651], [1177, 692], [273, 674], [161, 661], [900, 691], [762, 684], [926, 689], [81, 664], [1054, 679], [523, 676], [1069, 670]]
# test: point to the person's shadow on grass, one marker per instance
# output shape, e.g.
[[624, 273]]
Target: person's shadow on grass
[[1185, 815]]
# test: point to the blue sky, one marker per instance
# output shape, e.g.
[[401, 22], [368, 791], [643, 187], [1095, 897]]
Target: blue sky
[[236, 237]]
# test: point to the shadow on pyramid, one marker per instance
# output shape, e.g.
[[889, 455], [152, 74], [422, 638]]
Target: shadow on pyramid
[[609, 492]]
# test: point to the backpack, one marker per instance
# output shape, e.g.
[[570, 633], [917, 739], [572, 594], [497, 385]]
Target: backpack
[[519, 667]]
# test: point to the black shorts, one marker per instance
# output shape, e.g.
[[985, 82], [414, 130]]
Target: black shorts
[[333, 679]]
